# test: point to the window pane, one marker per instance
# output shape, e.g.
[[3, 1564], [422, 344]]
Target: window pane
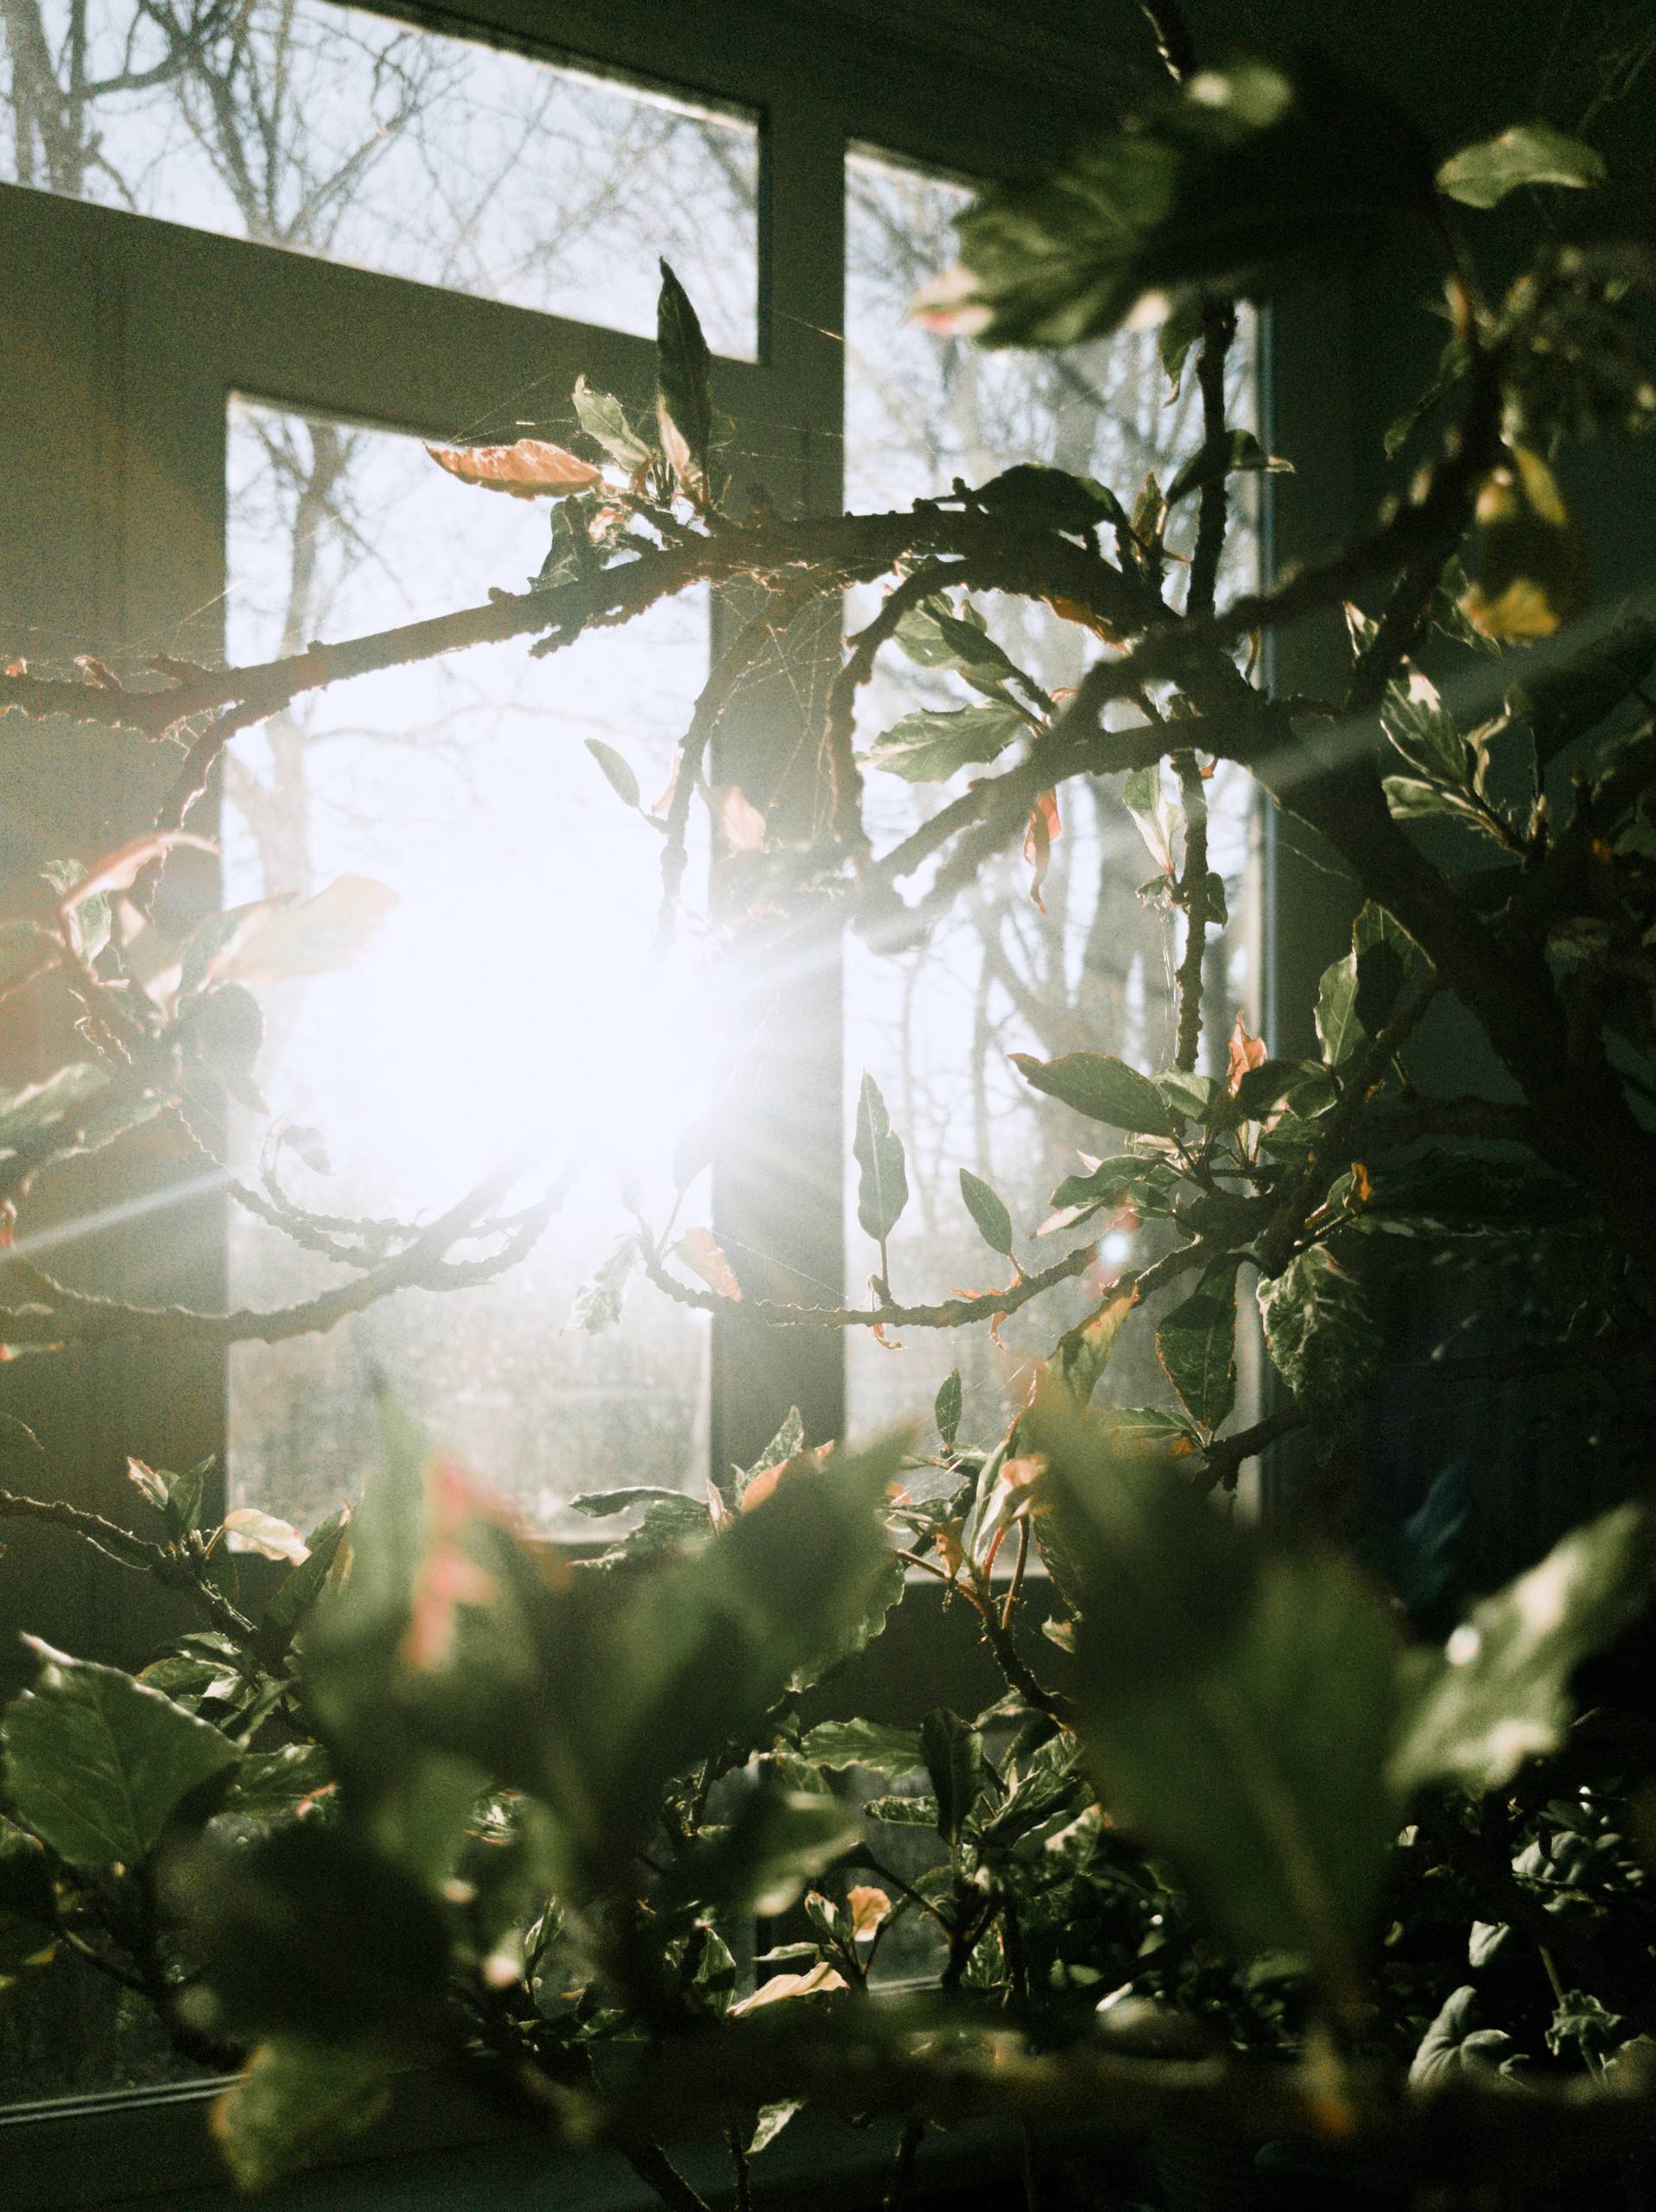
[[504, 1000], [333, 131], [1093, 971]]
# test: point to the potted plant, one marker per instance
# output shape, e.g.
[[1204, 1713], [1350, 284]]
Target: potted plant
[[1271, 1840]]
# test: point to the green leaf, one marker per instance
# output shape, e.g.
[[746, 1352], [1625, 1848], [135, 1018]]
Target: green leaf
[[952, 1754], [1408, 799], [1323, 1339], [946, 1408], [1235, 181], [598, 1302], [1196, 1346], [772, 2120], [722, 1633], [1160, 1578], [834, 1744], [1139, 1430], [1101, 1087], [1337, 1027], [1178, 333], [1158, 816], [299, 2100], [1361, 981], [988, 1212], [68, 1095], [787, 1444], [778, 1842], [903, 1812], [933, 637], [1125, 1179], [597, 1504], [1033, 497], [1499, 1693], [931, 744], [883, 1182], [1414, 718], [308, 1932], [671, 1521], [1482, 175], [1452, 2048], [272, 1785], [99, 1765], [622, 781], [604, 420], [1239, 453], [1448, 610], [299, 1591], [1275, 1812], [1563, 703], [683, 386]]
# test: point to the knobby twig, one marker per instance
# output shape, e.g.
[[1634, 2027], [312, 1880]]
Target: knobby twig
[[1193, 898]]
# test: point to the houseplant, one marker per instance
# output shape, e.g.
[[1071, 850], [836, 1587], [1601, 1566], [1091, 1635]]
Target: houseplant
[[433, 1794]]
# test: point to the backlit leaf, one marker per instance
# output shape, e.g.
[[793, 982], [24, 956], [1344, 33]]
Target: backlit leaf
[[1103, 1088], [838, 1744], [1501, 1692], [883, 1181], [683, 387], [299, 2099], [1533, 574], [531, 469], [248, 1531], [604, 420], [617, 769], [930, 745], [1530, 153], [698, 1252], [988, 1210], [120, 869], [946, 1408], [1234, 181], [598, 1302], [1239, 453], [277, 938]]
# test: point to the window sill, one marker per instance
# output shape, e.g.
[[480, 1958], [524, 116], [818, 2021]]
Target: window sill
[[154, 2148]]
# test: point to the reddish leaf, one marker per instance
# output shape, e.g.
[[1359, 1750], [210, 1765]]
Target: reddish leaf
[[1071, 610], [281, 938], [741, 823], [531, 469], [248, 1531], [868, 1907], [120, 869], [1045, 825], [702, 1256], [1246, 1054]]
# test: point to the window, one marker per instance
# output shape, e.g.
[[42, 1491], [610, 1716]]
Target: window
[[1080, 959], [506, 1000], [329, 130], [216, 413]]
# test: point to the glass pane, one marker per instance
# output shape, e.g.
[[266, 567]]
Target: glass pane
[[504, 1000], [333, 131], [1093, 969]]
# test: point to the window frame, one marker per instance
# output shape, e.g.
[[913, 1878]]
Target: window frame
[[141, 330]]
